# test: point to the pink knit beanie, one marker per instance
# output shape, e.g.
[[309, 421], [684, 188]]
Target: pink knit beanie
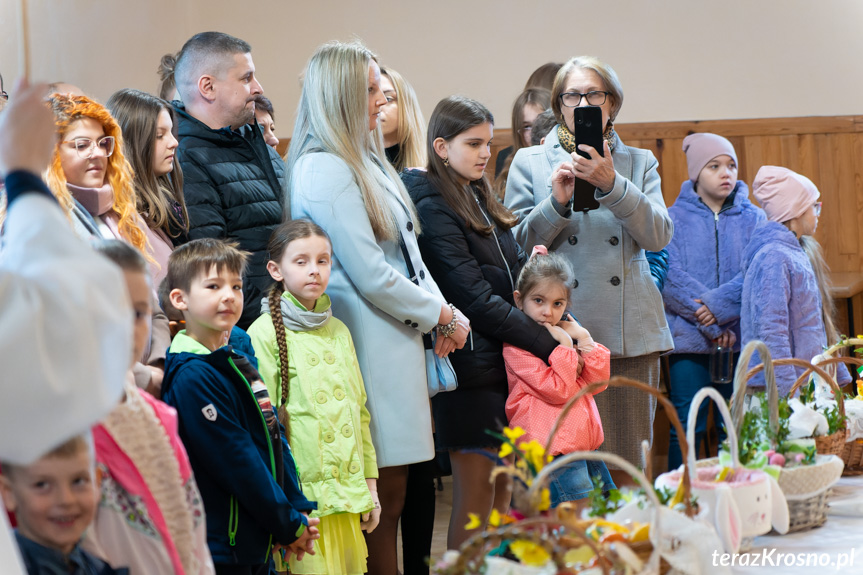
[[783, 194], [701, 148]]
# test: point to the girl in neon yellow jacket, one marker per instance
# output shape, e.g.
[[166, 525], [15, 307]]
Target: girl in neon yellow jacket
[[307, 359]]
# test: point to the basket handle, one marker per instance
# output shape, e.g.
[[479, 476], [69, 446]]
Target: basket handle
[[670, 411], [834, 386], [700, 396], [472, 555], [626, 466], [850, 342], [741, 377]]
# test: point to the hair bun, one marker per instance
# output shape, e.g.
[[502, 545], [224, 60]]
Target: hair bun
[[167, 65]]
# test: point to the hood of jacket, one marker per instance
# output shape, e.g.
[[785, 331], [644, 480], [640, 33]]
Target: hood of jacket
[[417, 181], [767, 233], [737, 201], [190, 126]]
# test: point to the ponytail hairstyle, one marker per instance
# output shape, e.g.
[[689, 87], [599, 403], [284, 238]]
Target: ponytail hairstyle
[[412, 125], [279, 241], [822, 275], [531, 96], [167, 84], [452, 116], [68, 109], [160, 199], [542, 268]]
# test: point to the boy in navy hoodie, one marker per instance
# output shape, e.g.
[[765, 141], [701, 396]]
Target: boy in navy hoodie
[[244, 468]]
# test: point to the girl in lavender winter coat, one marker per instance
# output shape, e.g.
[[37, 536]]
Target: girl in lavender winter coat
[[713, 221], [782, 297]]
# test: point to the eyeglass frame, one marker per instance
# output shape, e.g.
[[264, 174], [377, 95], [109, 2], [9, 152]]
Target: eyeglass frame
[[4, 95], [584, 96], [817, 206], [93, 145]]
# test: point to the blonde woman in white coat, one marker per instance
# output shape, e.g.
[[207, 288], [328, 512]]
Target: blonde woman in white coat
[[613, 290], [339, 177]]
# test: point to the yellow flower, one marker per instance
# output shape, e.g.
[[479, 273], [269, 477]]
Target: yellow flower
[[529, 553], [533, 453], [505, 449], [513, 434], [545, 499], [474, 521], [494, 519]]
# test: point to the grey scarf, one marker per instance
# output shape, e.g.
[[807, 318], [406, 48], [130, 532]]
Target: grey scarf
[[296, 319]]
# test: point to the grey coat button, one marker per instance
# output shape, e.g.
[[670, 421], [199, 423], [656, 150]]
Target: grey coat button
[[615, 281], [573, 240], [414, 324], [614, 241], [410, 226], [422, 275], [407, 322]]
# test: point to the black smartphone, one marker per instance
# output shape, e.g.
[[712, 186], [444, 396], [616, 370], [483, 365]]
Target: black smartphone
[[588, 131]]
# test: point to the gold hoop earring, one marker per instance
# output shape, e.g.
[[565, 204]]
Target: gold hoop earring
[[446, 162]]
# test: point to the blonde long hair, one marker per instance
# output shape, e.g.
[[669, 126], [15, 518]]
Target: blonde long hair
[[68, 109], [333, 117], [822, 275], [411, 132]]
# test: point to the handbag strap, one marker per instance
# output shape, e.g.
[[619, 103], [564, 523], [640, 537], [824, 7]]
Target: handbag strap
[[428, 343]]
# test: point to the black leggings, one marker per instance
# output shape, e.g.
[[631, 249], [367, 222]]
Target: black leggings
[[417, 518]]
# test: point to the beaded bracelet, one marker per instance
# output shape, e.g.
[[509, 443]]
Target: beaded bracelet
[[449, 329]]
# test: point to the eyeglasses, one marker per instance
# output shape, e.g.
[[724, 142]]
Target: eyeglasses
[[573, 99], [86, 147], [817, 207], [4, 95]]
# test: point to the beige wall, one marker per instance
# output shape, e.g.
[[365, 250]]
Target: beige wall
[[677, 59]]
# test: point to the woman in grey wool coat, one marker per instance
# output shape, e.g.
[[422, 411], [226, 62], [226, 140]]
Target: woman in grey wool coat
[[613, 295]]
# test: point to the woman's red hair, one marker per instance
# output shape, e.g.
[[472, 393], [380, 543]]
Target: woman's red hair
[[68, 109]]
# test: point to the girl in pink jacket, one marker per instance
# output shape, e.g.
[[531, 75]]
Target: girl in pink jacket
[[539, 391]]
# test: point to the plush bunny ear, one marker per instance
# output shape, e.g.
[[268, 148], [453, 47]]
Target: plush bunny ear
[[729, 525], [778, 507]]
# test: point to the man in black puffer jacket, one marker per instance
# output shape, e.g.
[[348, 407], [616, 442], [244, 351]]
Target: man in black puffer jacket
[[233, 181]]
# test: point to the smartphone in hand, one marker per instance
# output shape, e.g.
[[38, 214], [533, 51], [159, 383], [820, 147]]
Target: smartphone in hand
[[588, 131]]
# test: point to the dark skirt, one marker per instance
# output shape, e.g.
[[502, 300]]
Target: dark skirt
[[462, 416]]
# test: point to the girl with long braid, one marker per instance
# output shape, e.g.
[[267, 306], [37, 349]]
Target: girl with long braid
[[307, 359]]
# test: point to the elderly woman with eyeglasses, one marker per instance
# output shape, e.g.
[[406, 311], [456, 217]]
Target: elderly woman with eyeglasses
[[619, 215]]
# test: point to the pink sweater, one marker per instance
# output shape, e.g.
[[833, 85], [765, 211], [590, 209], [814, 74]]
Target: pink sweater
[[538, 393]]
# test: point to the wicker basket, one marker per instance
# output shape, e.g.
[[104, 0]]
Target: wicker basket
[[852, 451], [546, 532], [805, 486], [644, 549], [834, 443]]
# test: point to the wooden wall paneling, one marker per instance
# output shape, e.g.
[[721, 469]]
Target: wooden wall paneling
[[844, 194], [672, 167], [739, 143], [836, 166], [857, 205]]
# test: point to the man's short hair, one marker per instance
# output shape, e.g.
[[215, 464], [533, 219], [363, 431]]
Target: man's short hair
[[205, 53], [66, 449], [197, 257]]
